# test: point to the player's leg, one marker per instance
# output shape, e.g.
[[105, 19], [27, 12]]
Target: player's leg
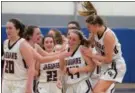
[[111, 89], [111, 75], [102, 86]]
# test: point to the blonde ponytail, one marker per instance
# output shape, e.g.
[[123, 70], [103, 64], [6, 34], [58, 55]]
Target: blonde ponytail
[[88, 9]]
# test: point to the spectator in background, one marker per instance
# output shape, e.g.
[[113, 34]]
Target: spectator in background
[[72, 24], [70, 29], [58, 39], [57, 35]]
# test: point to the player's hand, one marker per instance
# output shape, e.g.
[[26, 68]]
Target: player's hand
[[86, 51], [97, 62], [63, 48], [64, 54], [73, 70], [59, 84]]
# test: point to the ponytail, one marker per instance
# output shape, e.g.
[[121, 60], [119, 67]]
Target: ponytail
[[88, 9]]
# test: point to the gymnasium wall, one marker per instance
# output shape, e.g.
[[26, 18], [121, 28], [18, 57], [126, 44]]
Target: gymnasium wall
[[67, 8], [117, 15], [58, 14]]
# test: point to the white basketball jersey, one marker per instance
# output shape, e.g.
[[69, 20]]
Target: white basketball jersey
[[76, 61], [49, 71], [117, 54], [100, 45], [14, 67]]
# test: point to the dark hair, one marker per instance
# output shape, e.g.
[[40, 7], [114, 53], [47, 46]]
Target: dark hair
[[72, 28], [83, 39], [18, 25], [76, 23], [45, 38], [95, 19], [58, 36], [29, 31]]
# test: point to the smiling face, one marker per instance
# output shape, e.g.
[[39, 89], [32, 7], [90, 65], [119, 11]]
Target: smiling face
[[11, 30], [74, 40], [36, 37], [49, 44]]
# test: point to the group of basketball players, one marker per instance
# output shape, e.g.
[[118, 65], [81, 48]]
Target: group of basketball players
[[62, 64]]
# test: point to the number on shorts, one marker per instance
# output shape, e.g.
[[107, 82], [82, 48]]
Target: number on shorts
[[9, 68], [52, 75]]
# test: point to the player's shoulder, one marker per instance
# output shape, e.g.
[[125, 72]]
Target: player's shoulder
[[5, 41], [24, 43], [109, 33]]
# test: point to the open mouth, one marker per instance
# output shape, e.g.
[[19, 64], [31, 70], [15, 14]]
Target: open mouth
[[49, 47]]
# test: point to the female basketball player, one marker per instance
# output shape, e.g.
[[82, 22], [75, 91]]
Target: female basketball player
[[109, 55], [78, 67], [48, 71], [33, 36], [18, 77]]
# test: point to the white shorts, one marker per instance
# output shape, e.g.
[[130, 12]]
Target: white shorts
[[48, 87], [12, 86], [96, 76], [115, 72], [83, 86]]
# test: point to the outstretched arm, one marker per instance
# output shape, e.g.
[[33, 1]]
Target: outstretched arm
[[45, 59]]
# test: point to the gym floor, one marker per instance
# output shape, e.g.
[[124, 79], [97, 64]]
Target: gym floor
[[125, 88]]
